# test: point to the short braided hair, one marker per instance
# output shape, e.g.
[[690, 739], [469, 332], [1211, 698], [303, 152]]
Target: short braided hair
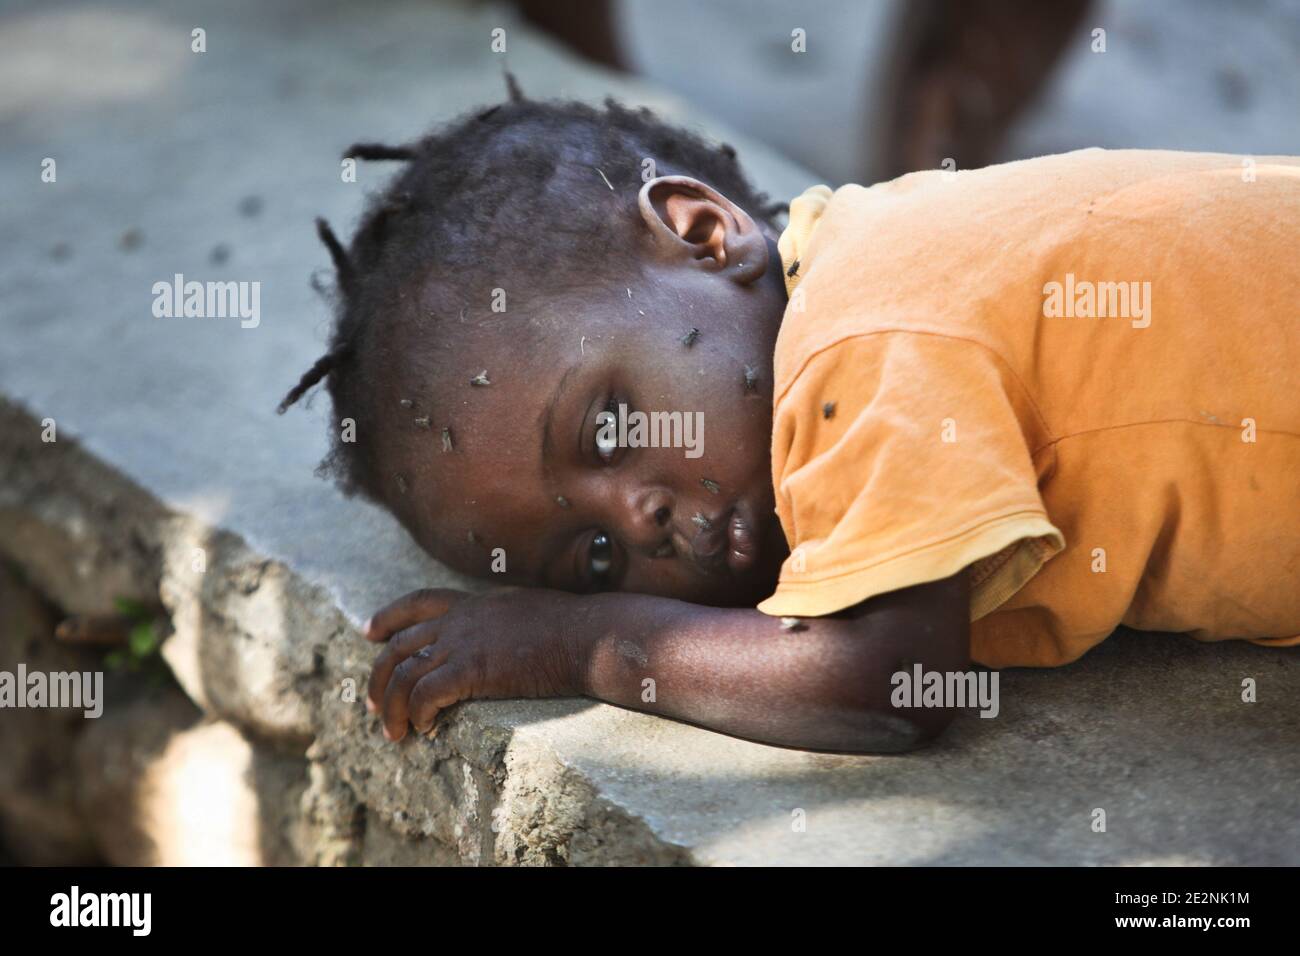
[[519, 189]]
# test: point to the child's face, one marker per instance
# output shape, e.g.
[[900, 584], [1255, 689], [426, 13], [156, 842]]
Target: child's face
[[529, 473]]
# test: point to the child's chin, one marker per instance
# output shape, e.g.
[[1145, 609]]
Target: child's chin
[[745, 589]]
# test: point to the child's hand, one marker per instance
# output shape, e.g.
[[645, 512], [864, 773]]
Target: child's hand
[[448, 646]]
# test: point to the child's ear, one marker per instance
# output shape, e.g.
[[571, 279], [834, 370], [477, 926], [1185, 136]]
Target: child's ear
[[694, 223]]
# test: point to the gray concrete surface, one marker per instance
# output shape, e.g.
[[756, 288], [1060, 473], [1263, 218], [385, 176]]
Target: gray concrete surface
[[168, 441], [734, 58], [1176, 74]]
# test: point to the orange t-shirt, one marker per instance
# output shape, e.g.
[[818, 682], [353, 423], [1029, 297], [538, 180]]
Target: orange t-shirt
[[1077, 375]]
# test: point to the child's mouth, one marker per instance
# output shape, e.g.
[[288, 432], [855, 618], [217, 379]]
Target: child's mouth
[[742, 548], [727, 539]]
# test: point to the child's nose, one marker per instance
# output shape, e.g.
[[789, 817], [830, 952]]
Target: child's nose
[[649, 517]]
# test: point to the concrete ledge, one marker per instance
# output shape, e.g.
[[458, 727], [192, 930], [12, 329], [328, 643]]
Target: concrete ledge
[[258, 649]]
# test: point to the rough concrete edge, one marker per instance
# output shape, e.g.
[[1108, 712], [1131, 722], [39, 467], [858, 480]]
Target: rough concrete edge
[[84, 534]]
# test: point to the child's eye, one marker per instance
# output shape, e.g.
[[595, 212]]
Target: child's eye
[[607, 431], [601, 555]]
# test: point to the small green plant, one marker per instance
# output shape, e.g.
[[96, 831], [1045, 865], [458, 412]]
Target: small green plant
[[143, 640]]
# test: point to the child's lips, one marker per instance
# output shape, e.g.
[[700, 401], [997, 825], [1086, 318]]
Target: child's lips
[[742, 548], [726, 539]]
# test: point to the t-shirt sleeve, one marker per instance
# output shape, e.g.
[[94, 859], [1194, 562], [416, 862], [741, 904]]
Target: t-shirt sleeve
[[900, 458]]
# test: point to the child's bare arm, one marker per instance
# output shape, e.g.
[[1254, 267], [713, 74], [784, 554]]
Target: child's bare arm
[[825, 685]]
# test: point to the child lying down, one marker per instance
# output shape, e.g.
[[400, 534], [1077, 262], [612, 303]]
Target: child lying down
[[985, 416]]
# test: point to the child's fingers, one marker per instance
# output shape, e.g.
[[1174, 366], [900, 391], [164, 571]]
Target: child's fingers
[[435, 690], [405, 677], [411, 609], [396, 651]]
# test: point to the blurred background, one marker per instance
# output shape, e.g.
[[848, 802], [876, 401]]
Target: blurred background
[[885, 87]]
